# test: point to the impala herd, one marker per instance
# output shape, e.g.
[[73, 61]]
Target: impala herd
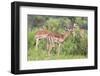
[[52, 38]]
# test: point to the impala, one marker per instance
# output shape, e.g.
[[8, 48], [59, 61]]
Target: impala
[[57, 38], [53, 38]]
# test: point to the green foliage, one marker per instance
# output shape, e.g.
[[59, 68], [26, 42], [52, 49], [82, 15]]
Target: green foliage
[[52, 24], [39, 20], [75, 44], [31, 38], [81, 21], [74, 47]]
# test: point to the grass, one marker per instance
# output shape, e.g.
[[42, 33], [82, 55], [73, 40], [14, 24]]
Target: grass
[[42, 55]]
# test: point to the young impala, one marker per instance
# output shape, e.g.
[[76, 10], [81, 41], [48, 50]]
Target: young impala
[[57, 38]]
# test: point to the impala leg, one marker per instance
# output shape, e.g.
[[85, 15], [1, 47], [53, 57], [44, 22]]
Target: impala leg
[[59, 49], [49, 46], [53, 44], [37, 42], [49, 50]]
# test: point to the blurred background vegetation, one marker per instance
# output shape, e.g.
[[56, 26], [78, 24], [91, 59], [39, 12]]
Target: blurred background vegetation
[[74, 47]]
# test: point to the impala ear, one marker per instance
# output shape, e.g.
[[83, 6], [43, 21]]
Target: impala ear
[[75, 25]]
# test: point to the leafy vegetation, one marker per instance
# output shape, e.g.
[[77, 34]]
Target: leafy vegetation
[[74, 47]]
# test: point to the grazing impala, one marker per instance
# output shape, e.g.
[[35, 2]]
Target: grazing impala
[[57, 38], [41, 34]]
